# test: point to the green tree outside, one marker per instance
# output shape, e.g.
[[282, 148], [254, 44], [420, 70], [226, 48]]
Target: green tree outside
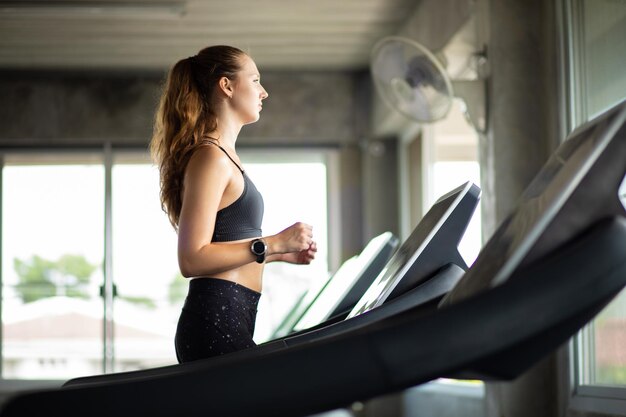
[[41, 278], [178, 289], [70, 276]]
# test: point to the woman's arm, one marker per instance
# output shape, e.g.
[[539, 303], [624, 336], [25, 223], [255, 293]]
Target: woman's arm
[[208, 187], [304, 257]]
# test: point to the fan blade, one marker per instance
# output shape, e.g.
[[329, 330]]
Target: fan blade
[[409, 78]]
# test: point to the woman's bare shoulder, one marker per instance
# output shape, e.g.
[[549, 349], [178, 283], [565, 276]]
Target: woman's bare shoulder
[[208, 159]]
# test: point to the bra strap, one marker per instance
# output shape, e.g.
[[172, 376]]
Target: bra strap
[[229, 157]]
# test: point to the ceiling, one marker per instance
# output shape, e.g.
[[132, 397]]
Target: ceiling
[[152, 35]]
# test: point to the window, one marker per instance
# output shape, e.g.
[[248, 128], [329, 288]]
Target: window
[[603, 351], [149, 290], [451, 159], [89, 270], [294, 188], [600, 357], [603, 343], [52, 229], [594, 32]]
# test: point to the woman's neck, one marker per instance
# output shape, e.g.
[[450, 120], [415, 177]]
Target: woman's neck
[[227, 132]]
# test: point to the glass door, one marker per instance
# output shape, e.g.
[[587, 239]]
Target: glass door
[[52, 245]]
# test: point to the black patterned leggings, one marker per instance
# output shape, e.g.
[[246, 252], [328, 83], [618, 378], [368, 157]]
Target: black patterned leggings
[[218, 317]]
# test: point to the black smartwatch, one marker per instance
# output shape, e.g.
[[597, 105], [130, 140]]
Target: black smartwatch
[[259, 248]]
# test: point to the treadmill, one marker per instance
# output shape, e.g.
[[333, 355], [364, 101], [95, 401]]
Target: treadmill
[[344, 288], [426, 267], [550, 267], [417, 266]]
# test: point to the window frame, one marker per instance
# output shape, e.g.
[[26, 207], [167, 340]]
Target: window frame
[[589, 397], [60, 156], [576, 364], [107, 155]]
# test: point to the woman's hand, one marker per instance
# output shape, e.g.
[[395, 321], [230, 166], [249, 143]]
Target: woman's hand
[[303, 257], [296, 238], [294, 245]]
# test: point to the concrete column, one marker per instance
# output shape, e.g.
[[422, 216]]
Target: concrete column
[[522, 96], [352, 206], [380, 183], [521, 135], [535, 393]]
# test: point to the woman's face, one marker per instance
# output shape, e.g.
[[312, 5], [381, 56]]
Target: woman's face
[[248, 93]]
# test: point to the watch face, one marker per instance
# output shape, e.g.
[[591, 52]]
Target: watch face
[[258, 247]]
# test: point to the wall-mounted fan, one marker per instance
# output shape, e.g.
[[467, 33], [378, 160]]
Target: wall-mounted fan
[[412, 80]]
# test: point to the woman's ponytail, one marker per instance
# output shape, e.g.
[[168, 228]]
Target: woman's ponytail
[[184, 117]]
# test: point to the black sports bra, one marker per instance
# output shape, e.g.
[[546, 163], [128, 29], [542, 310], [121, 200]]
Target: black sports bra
[[241, 219]]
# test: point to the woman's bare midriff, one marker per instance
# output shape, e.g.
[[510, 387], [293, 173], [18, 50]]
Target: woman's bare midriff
[[249, 275]]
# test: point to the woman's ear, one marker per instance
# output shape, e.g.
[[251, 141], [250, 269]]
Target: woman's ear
[[226, 86]]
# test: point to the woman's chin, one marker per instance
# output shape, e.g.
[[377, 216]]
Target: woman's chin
[[253, 119]]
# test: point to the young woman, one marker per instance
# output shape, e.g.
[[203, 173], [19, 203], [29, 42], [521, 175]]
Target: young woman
[[213, 204]]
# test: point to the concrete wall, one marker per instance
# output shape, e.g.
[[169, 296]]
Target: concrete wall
[[54, 108]]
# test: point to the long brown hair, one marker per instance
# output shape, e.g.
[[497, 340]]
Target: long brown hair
[[185, 116]]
